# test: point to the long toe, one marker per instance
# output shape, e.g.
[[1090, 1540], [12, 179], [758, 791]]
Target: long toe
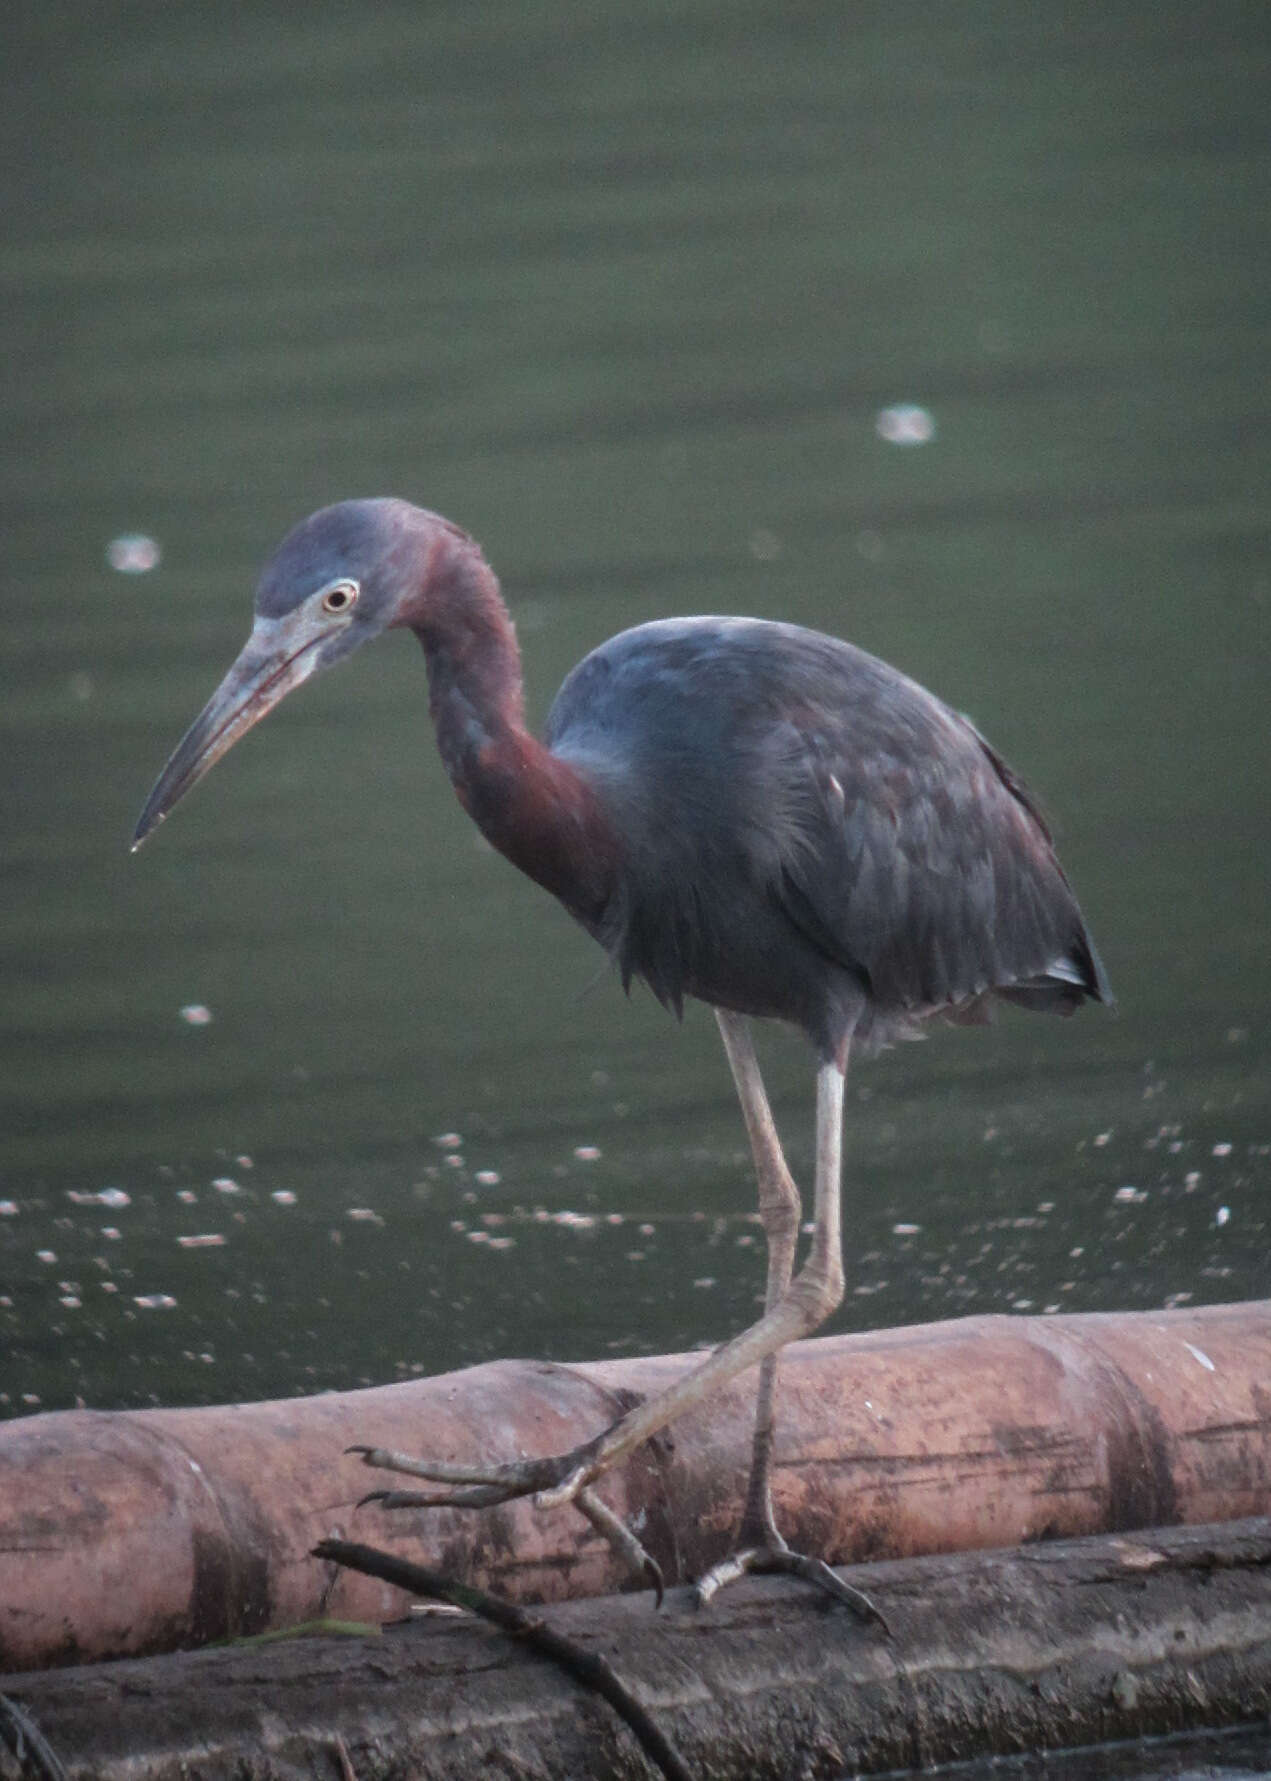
[[640, 1563], [458, 1496], [553, 1483], [778, 1559], [473, 1486]]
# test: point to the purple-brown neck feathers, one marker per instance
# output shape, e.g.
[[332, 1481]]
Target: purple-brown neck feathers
[[538, 811]]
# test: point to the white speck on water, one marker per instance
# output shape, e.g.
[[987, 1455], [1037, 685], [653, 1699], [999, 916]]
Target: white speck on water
[[706, 1281], [225, 1184], [195, 1014], [870, 545], [614, 1218], [47, 1256], [905, 1230], [108, 1196], [187, 1196], [363, 1215], [133, 553], [1221, 1150], [1223, 1215], [1200, 1355], [283, 1196], [905, 423], [112, 1233], [647, 1230], [454, 1160], [574, 1221], [244, 1162], [587, 1153], [503, 1242], [1191, 1181], [1130, 1196], [487, 1177], [71, 1301], [8, 1208], [1101, 1139], [154, 1301], [205, 1240], [448, 1140]]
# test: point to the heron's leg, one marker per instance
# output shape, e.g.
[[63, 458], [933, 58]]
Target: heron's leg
[[779, 1213], [760, 1546], [809, 1298]]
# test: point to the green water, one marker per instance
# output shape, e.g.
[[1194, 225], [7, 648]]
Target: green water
[[623, 293]]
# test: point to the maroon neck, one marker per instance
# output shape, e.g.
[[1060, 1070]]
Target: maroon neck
[[538, 811]]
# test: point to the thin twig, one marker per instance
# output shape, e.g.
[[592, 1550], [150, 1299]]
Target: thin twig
[[342, 1755], [23, 1736], [584, 1666]]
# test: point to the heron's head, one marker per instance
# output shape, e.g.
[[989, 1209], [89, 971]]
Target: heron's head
[[342, 576]]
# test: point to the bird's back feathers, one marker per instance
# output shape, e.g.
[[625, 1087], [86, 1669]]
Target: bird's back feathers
[[807, 833]]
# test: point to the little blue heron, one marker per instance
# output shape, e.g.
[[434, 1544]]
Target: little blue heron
[[745, 812]]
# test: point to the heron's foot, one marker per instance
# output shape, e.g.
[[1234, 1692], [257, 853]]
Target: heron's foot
[[478, 1487], [772, 1555], [552, 1483]]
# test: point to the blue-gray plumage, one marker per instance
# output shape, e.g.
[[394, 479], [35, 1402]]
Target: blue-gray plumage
[[749, 813], [809, 835]]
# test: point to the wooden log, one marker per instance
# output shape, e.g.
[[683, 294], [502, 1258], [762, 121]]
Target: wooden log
[[1061, 1644], [129, 1532]]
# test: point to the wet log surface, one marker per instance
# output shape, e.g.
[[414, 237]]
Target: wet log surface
[[124, 1533], [1058, 1644]]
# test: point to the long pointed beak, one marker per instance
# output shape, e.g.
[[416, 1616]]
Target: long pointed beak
[[278, 655]]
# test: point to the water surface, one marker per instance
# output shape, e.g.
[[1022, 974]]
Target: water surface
[[626, 297]]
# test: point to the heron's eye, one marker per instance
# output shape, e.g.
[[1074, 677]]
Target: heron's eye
[[340, 597]]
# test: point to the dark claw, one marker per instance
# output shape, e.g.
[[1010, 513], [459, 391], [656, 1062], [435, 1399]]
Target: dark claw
[[403, 1499], [653, 1571]]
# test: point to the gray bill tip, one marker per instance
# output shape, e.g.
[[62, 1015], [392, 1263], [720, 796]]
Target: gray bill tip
[[139, 834], [147, 823]]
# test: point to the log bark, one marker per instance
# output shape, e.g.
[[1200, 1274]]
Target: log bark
[[123, 1532], [1060, 1644]]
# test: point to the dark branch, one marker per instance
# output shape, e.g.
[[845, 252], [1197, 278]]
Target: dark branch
[[20, 1734], [584, 1666]]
